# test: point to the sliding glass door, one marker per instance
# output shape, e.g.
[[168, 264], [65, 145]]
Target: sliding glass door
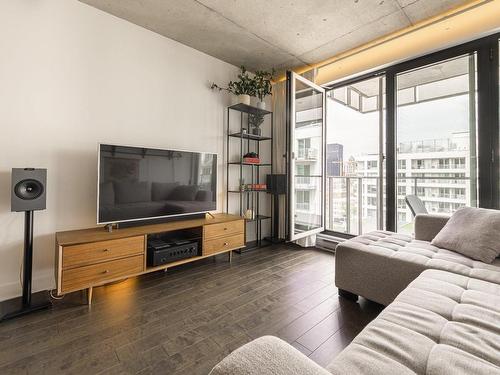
[[436, 137], [355, 157], [427, 127], [306, 116]]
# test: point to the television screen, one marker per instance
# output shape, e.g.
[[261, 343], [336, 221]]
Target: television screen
[[137, 183]]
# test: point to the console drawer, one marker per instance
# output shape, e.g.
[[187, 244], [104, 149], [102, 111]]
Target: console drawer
[[223, 229], [86, 276], [225, 243], [95, 252]]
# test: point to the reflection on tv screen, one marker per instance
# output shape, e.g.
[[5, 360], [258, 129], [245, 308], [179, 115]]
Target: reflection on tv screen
[[140, 183]]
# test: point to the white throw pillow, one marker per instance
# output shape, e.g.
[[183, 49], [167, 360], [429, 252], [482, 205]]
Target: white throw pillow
[[474, 232]]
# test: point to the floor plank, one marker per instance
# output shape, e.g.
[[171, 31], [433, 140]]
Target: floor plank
[[186, 320]]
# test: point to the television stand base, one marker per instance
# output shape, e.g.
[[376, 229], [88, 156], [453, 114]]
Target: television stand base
[[109, 227]]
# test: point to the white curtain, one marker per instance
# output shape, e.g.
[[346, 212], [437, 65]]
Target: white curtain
[[279, 149]]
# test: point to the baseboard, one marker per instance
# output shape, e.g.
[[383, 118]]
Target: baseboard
[[41, 281]]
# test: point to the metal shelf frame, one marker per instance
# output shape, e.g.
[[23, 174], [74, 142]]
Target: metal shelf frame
[[250, 142]]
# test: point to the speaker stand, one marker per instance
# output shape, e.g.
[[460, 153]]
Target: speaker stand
[[27, 303]]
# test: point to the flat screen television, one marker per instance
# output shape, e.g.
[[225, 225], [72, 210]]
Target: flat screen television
[[138, 183]]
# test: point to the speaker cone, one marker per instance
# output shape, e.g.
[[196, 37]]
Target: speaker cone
[[28, 189]]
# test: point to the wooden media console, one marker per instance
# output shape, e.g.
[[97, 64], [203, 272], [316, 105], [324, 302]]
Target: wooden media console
[[92, 257]]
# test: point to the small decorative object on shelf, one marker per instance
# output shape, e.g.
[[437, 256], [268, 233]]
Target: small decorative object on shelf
[[253, 187], [249, 214], [251, 158], [243, 187], [254, 122]]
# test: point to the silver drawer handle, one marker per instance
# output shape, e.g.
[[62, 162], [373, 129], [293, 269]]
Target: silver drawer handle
[[105, 271], [226, 243]]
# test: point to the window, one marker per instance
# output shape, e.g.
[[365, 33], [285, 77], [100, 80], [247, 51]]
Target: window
[[417, 164], [303, 200], [432, 136], [303, 145], [438, 129], [355, 121]]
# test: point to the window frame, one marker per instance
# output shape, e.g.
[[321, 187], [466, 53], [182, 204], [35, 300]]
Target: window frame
[[488, 118]]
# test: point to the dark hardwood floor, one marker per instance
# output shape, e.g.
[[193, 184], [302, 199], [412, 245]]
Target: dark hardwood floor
[[186, 320]]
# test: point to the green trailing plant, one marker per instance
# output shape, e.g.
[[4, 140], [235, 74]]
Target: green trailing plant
[[263, 85], [258, 86], [244, 86]]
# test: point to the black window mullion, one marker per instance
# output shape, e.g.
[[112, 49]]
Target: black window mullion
[[488, 125], [390, 147]]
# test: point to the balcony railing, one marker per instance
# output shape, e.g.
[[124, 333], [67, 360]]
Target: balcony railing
[[303, 206], [354, 204], [433, 145], [308, 153]]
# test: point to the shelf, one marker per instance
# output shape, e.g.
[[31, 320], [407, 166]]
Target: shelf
[[252, 137], [249, 109], [258, 218], [247, 191], [252, 164]]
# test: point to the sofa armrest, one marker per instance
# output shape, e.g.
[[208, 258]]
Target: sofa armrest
[[428, 225], [267, 355]]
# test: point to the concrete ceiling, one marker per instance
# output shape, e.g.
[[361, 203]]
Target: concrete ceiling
[[265, 34]]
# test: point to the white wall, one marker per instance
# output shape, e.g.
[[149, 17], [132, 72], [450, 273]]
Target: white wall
[[72, 76]]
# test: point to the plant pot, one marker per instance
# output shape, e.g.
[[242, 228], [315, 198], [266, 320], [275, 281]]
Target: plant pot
[[261, 105], [256, 130], [244, 99]]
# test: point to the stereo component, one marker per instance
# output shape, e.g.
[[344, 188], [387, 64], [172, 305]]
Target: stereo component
[[161, 252]]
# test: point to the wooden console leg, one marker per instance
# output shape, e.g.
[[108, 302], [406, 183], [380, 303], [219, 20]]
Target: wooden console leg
[[89, 296], [230, 256]]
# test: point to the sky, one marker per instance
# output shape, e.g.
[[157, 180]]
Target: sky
[[358, 132]]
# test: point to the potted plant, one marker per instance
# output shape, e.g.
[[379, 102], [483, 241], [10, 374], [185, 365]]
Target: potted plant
[[254, 122], [244, 88], [263, 86]]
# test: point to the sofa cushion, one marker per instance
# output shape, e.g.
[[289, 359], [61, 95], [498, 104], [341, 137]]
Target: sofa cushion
[[204, 196], [132, 192], [161, 190], [442, 323], [474, 232], [183, 193], [379, 265], [267, 355]]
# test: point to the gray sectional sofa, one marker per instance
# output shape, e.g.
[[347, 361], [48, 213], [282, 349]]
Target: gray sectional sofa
[[443, 313]]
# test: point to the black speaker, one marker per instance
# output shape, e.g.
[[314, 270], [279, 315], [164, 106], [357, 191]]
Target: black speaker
[[28, 191], [276, 183], [28, 194]]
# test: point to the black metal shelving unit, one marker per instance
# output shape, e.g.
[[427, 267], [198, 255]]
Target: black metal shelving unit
[[249, 142]]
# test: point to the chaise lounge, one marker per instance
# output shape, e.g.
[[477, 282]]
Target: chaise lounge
[[443, 313]]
